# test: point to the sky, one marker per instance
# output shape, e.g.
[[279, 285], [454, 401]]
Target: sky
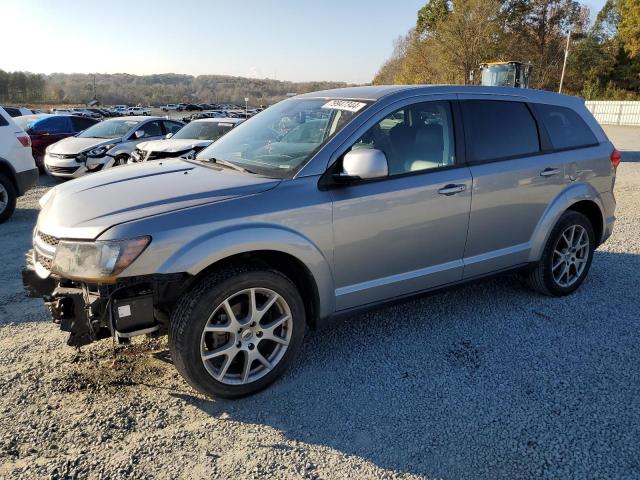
[[297, 40]]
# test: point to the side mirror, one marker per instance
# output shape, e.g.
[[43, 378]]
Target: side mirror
[[168, 135], [363, 164], [138, 134]]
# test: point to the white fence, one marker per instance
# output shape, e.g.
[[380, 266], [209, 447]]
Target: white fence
[[615, 112]]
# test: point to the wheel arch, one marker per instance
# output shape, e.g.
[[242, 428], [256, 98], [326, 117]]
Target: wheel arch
[[277, 247], [580, 197], [287, 264]]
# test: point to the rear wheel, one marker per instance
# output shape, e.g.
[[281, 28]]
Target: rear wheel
[[566, 258], [237, 331], [8, 198]]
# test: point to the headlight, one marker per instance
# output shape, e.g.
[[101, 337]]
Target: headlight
[[99, 261], [99, 151]]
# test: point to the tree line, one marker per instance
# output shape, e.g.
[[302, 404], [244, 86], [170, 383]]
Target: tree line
[[452, 38], [120, 88]]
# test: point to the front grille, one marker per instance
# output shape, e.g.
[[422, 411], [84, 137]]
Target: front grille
[[45, 262], [67, 170], [48, 239], [62, 155]]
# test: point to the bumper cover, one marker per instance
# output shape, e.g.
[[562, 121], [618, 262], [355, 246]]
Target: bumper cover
[[90, 312]]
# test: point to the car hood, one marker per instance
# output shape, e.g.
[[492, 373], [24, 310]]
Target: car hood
[[75, 145], [170, 145], [85, 207]]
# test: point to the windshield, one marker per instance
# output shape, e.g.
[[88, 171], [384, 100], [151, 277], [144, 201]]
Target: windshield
[[109, 129], [203, 130], [499, 75], [281, 139]]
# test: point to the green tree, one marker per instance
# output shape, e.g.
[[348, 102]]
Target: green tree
[[629, 26]]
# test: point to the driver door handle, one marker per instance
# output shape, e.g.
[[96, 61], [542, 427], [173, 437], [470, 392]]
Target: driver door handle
[[452, 189], [548, 172]]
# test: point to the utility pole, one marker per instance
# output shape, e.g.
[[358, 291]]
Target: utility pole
[[564, 64]]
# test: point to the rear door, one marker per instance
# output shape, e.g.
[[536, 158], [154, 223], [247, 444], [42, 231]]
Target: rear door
[[515, 178]]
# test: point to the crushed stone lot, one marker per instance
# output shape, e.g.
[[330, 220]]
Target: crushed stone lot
[[485, 381]]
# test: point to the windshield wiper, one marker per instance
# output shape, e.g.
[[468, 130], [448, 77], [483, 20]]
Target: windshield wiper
[[227, 164]]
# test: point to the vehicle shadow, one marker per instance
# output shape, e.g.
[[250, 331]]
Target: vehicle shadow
[[484, 381]]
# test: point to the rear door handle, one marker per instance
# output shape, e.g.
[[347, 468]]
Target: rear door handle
[[549, 172], [452, 189]]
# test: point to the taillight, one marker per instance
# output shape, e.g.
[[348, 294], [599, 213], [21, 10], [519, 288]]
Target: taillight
[[24, 139], [616, 157]]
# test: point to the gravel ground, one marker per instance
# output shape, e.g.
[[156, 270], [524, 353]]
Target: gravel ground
[[485, 381]]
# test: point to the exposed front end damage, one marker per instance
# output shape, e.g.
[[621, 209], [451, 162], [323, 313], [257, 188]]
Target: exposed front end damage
[[90, 312]]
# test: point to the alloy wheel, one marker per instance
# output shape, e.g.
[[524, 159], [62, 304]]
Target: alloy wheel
[[570, 255], [246, 336]]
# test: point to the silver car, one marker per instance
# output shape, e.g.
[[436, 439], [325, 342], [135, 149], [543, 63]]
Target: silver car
[[322, 205], [104, 145]]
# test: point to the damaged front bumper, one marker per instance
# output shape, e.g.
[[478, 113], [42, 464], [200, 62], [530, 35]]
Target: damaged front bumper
[[89, 312]]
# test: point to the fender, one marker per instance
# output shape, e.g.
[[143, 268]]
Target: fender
[[217, 245], [571, 195]]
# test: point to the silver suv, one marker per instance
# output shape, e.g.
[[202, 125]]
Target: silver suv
[[321, 205]]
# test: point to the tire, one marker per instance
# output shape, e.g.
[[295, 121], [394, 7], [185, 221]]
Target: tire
[[543, 277], [8, 198], [188, 342], [120, 160]]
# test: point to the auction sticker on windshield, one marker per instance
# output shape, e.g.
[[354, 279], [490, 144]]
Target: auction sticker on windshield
[[347, 105]]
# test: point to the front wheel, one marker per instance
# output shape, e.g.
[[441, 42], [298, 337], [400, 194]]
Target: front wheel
[[236, 331], [566, 257]]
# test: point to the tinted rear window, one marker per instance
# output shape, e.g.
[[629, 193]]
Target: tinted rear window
[[500, 129], [56, 124], [3, 121], [566, 128]]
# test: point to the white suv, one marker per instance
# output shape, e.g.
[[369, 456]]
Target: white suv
[[18, 171], [137, 111]]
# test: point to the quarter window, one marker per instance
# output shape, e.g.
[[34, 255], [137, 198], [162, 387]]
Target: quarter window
[[565, 127], [415, 138], [499, 129]]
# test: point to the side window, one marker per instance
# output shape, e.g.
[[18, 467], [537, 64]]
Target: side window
[[55, 125], [565, 127], [172, 127], [499, 129], [151, 129], [3, 121], [81, 123], [414, 138]]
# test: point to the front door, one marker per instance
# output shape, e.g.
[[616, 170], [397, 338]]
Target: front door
[[404, 233]]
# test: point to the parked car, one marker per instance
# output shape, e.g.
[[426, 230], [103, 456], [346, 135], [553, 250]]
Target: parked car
[[18, 170], [16, 111], [265, 234], [137, 111], [190, 107], [171, 107], [186, 142], [201, 115], [47, 129], [104, 145], [85, 112]]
